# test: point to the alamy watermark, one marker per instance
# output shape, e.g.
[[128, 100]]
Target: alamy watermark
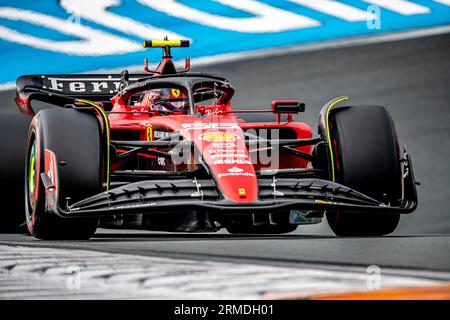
[[73, 281], [373, 281], [374, 23], [75, 16]]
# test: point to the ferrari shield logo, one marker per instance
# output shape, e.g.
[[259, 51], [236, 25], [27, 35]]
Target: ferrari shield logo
[[176, 93]]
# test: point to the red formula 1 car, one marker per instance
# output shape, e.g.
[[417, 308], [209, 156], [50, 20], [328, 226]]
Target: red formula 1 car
[[165, 151]]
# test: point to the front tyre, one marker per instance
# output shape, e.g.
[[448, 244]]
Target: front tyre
[[64, 147], [366, 158], [13, 142]]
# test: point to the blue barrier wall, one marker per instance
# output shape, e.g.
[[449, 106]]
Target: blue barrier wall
[[70, 36]]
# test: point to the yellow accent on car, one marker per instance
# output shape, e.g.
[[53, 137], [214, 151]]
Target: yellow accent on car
[[218, 136], [164, 43], [108, 137], [149, 133], [32, 172], [328, 134], [176, 92]]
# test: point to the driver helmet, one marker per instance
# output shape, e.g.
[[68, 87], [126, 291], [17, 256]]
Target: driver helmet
[[168, 100]]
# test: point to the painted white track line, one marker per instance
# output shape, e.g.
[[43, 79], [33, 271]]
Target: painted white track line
[[48, 273], [278, 51]]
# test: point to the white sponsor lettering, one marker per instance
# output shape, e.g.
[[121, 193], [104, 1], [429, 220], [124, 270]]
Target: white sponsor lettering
[[401, 6], [228, 155], [117, 85], [97, 85], [446, 2], [213, 112], [81, 85], [54, 85], [161, 134], [231, 161], [209, 125], [93, 42], [161, 161], [97, 12], [266, 18], [222, 145], [228, 151], [77, 87], [235, 174], [337, 9]]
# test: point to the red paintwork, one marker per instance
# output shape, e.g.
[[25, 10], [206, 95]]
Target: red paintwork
[[51, 171], [24, 105], [218, 135]]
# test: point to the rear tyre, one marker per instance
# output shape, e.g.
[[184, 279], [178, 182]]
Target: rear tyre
[[366, 158], [13, 142], [75, 140]]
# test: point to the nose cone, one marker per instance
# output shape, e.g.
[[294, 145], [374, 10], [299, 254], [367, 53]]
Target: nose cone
[[225, 152]]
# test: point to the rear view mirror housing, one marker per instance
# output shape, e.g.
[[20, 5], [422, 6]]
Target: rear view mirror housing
[[287, 106]]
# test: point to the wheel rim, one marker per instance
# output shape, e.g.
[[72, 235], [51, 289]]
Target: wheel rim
[[32, 170]]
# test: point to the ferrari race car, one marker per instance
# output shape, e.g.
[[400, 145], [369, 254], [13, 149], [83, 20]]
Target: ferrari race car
[[164, 150]]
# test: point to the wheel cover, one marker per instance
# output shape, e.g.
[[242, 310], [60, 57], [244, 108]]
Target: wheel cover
[[32, 178], [32, 169]]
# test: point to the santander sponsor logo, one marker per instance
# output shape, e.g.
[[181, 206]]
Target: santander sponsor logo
[[235, 172]]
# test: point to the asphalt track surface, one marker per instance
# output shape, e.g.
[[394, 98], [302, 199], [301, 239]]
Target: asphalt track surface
[[411, 78]]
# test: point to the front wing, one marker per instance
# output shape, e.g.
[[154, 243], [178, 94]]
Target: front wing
[[275, 195]]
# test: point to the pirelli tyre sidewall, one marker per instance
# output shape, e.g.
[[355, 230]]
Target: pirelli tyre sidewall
[[66, 143], [366, 157]]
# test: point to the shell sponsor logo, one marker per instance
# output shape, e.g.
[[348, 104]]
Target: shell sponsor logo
[[219, 136]]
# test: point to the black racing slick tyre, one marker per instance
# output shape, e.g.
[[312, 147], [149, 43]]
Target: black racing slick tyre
[[13, 141], [72, 141], [366, 158]]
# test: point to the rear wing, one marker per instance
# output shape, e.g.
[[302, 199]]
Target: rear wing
[[60, 89]]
